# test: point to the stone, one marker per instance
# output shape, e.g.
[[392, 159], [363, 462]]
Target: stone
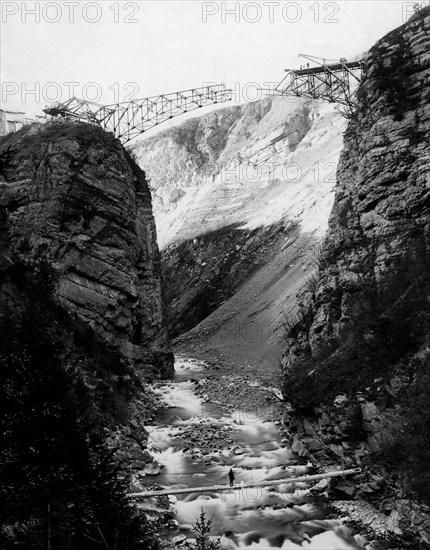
[[150, 470], [308, 427], [312, 444], [424, 536], [346, 489], [303, 451], [368, 487], [173, 524], [321, 486], [393, 523], [295, 446], [340, 400], [179, 539]]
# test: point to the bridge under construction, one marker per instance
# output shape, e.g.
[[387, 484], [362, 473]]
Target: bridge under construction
[[129, 119], [335, 82]]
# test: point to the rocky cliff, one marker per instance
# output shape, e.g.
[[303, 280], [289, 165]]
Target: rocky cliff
[[82, 330], [358, 356], [73, 196], [241, 197]]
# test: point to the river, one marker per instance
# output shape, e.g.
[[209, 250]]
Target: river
[[196, 444]]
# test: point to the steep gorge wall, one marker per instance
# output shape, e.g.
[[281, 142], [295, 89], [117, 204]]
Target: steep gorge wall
[[356, 367], [380, 217], [71, 195]]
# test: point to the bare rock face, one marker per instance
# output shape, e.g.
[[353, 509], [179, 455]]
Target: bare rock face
[[358, 356], [73, 196], [380, 216]]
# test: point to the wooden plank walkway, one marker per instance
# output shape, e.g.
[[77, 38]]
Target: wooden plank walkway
[[333, 67], [219, 488]]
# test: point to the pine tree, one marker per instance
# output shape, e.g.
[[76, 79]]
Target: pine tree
[[202, 528]]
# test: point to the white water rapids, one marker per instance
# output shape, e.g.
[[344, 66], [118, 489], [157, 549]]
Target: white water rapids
[[284, 516]]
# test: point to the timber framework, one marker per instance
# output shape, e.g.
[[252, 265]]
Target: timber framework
[[335, 82], [129, 119]]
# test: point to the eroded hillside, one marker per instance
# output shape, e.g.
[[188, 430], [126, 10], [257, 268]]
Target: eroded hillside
[[241, 200]]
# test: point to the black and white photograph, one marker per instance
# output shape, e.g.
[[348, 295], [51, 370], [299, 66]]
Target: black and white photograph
[[214, 275]]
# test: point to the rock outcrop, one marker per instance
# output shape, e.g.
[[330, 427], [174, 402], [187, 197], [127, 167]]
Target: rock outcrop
[[357, 359], [381, 208], [379, 226], [73, 196]]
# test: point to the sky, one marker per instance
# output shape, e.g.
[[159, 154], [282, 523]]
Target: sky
[[109, 51]]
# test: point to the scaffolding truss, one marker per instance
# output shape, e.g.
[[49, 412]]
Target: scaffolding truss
[[129, 119], [336, 83]]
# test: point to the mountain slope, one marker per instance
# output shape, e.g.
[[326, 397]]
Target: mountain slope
[[239, 216]]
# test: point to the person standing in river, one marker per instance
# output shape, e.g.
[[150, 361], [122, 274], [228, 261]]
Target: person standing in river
[[231, 477]]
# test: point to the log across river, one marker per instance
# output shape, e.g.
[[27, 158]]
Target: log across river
[[262, 484], [273, 503]]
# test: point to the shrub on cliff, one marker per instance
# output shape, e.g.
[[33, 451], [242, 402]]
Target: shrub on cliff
[[58, 480], [407, 450], [388, 328], [386, 323]]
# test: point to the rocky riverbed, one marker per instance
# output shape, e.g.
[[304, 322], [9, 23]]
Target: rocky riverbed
[[209, 421], [372, 501]]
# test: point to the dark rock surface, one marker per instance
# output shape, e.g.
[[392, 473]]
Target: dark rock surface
[[381, 209], [72, 195], [360, 347], [203, 273]]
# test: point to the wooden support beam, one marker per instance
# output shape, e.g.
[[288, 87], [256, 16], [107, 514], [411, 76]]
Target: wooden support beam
[[219, 488]]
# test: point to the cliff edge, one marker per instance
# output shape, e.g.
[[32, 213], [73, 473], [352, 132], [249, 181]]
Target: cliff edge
[[73, 196]]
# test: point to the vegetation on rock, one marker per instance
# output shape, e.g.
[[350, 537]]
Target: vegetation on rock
[[59, 398], [75, 267], [202, 529], [363, 336]]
